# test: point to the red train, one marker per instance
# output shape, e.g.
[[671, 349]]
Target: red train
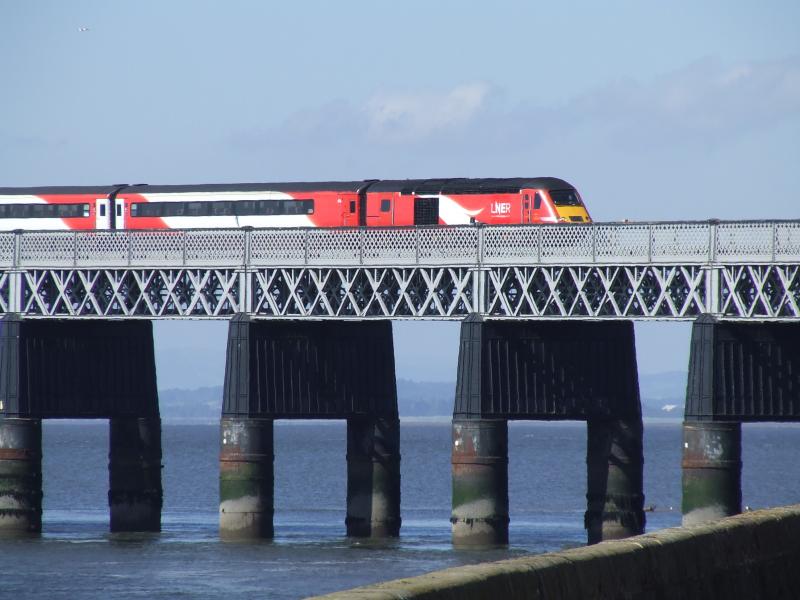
[[370, 203]]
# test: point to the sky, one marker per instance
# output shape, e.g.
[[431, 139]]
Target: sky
[[654, 111]]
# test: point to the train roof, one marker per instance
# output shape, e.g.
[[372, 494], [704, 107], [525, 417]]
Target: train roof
[[101, 190], [287, 186], [494, 185]]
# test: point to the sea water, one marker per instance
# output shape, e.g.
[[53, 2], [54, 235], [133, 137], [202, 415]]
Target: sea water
[[76, 557]]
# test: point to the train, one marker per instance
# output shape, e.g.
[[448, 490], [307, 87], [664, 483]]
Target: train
[[367, 203]]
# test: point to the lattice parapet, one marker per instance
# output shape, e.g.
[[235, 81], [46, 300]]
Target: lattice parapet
[[541, 291], [363, 292], [760, 291], [130, 293], [592, 292]]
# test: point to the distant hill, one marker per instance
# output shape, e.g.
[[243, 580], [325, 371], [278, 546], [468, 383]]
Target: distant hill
[[662, 396]]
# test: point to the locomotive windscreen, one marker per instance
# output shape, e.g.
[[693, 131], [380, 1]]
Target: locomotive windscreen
[[565, 197]]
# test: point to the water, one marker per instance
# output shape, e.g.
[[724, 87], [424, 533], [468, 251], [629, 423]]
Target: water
[[76, 557]]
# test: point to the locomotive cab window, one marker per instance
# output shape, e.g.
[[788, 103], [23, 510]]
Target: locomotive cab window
[[565, 197], [537, 201], [386, 205]]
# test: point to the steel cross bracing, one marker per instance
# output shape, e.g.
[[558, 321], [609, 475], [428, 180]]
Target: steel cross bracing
[[735, 270]]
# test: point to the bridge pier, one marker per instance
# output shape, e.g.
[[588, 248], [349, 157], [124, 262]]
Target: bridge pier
[[309, 370], [480, 482], [711, 471], [546, 371], [615, 465], [246, 478], [739, 372], [373, 477], [20, 476], [80, 369], [135, 495]]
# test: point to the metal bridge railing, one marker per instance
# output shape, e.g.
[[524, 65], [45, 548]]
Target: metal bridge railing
[[730, 242]]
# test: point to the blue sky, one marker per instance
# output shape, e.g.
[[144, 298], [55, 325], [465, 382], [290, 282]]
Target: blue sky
[[659, 111]]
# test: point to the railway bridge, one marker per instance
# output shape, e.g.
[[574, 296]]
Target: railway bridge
[[546, 333]]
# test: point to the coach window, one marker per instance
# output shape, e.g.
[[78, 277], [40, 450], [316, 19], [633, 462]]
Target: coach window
[[386, 205], [352, 206], [102, 210]]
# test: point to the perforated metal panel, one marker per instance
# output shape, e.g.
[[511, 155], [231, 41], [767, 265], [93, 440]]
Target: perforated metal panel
[[679, 242], [334, 246], [215, 247], [156, 248], [448, 245], [284, 247], [51, 248], [7, 249]]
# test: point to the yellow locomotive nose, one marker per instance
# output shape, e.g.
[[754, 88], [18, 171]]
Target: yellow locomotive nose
[[569, 206], [572, 214]]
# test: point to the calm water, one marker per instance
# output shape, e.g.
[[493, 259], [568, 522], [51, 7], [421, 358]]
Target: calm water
[[76, 557]]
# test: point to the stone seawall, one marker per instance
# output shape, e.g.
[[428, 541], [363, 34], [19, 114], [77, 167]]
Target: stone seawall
[[749, 556]]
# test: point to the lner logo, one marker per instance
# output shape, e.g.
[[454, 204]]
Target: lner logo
[[501, 208]]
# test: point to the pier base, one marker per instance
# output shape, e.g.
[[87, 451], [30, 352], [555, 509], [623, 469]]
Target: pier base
[[373, 477], [712, 471], [20, 476], [480, 482], [615, 463], [135, 494], [246, 478]]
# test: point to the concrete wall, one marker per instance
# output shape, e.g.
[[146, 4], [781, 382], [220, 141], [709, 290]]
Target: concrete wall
[[749, 556]]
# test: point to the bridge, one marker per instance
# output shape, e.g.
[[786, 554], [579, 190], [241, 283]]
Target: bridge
[[733, 270], [546, 333]]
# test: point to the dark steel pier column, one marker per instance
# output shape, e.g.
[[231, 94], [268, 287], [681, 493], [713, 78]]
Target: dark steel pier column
[[615, 464], [20, 476], [480, 482], [373, 477], [135, 494], [246, 478], [712, 471]]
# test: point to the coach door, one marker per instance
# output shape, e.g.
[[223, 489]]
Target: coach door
[[527, 207], [349, 204], [119, 213], [102, 213]]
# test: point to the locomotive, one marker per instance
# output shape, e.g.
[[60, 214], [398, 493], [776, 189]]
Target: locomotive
[[368, 203]]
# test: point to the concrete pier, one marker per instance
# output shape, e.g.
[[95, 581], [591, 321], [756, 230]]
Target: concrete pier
[[20, 476], [615, 464], [480, 482], [246, 479], [373, 477], [712, 471], [135, 494]]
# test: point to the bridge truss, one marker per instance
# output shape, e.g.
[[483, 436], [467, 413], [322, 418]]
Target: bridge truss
[[735, 270]]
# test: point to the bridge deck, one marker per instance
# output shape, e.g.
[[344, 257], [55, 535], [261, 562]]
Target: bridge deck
[[734, 270]]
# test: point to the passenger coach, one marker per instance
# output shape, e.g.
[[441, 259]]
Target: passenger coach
[[371, 203]]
